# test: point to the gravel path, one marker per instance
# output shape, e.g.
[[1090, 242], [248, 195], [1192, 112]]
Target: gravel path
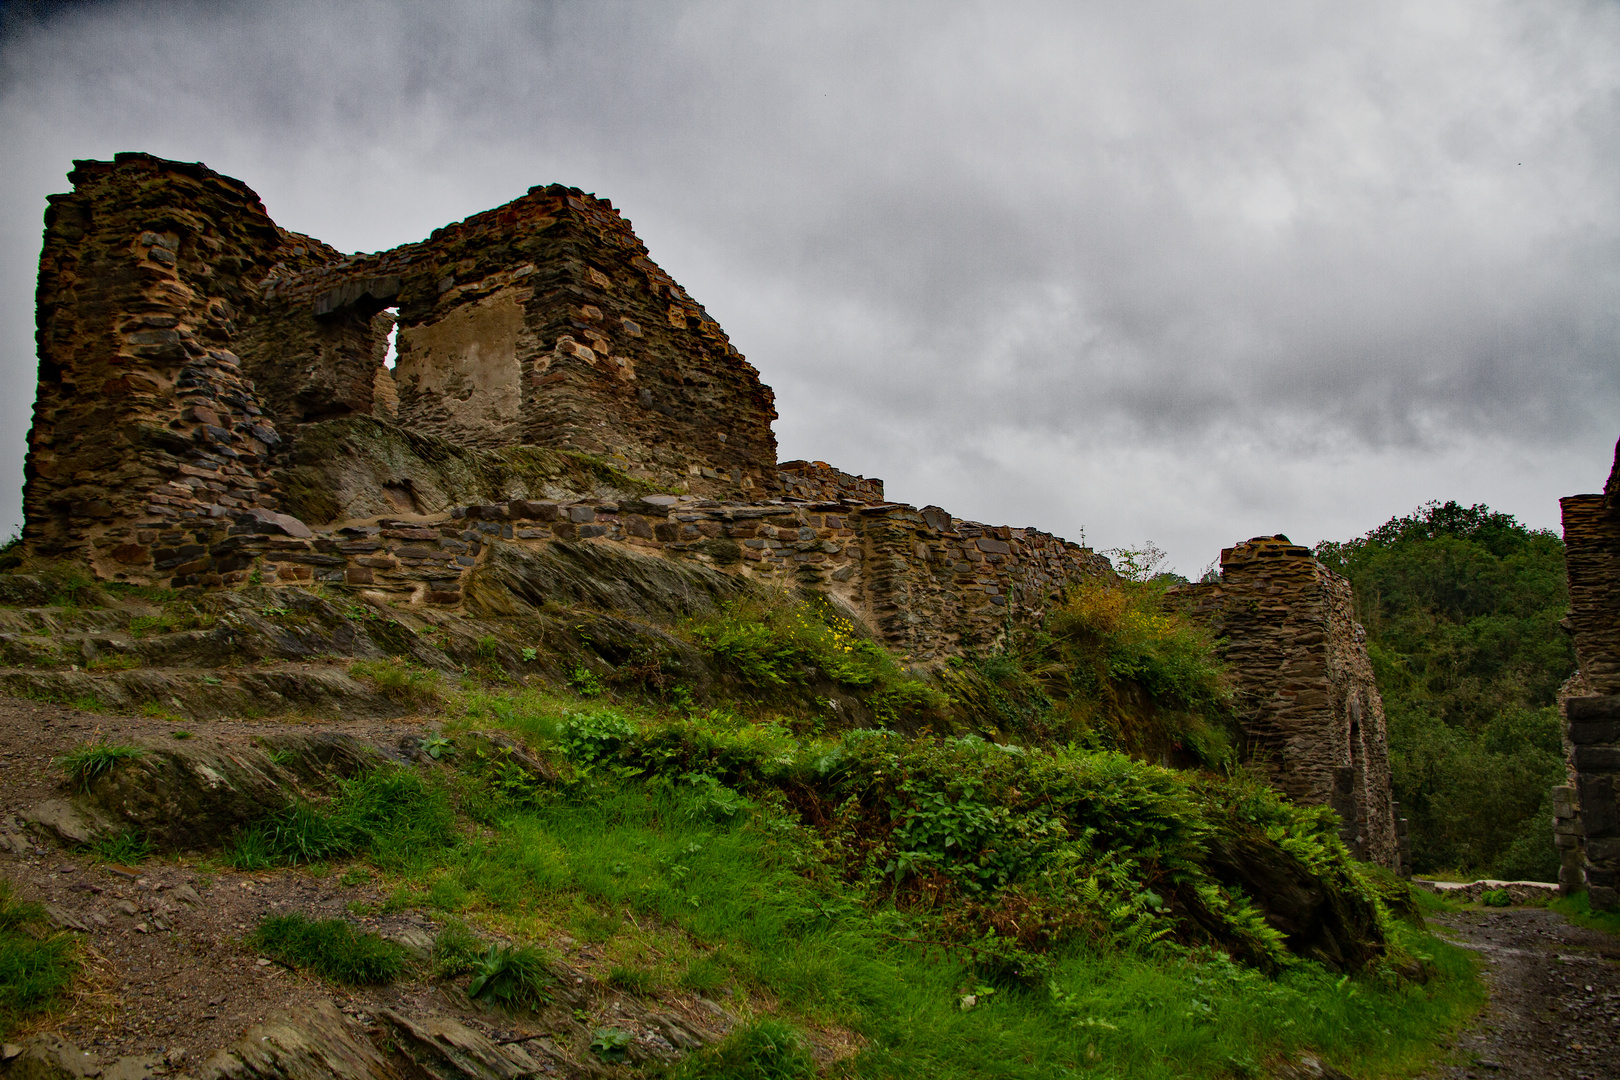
[[1554, 1012]]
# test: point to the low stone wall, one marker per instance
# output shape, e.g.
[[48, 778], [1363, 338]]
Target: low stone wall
[[932, 586], [1535, 893], [1306, 694]]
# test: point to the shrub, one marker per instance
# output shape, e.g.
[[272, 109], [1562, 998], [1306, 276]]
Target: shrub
[[587, 738], [771, 643], [330, 948], [513, 977], [87, 763], [1496, 898], [779, 647]]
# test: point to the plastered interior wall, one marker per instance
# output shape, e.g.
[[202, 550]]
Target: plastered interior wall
[[460, 377]]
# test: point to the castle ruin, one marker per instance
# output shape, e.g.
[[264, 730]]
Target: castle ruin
[[214, 408]]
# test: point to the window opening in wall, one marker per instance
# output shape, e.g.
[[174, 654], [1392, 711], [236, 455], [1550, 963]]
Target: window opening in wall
[[392, 356]]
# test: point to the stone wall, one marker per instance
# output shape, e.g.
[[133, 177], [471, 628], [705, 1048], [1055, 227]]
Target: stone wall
[[817, 480], [932, 586], [1592, 554], [935, 586], [145, 424], [183, 335], [1306, 694], [544, 322]]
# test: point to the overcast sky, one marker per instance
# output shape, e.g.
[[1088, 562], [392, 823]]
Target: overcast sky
[[1181, 273]]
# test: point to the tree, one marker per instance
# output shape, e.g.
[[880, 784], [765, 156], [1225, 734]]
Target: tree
[[1462, 606]]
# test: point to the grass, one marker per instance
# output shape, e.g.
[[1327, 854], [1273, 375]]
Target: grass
[[114, 662], [36, 965], [127, 848], [1578, 910], [330, 948], [834, 878], [405, 684], [747, 892], [88, 763], [390, 814], [766, 1050], [631, 980], [456, 950]]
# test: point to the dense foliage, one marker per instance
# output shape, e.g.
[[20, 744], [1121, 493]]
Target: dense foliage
[[969, 909], [784, 650], [1462, 606], [1006, 851], [1111, 667]]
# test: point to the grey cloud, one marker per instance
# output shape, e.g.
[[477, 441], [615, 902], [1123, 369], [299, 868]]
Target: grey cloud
[[1125, 233]]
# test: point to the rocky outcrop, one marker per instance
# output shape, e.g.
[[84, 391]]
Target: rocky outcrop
[[1306, 695], [187, 796]]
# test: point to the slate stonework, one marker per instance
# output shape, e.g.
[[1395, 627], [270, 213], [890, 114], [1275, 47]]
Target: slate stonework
[[1592, 720], [1306, 692]]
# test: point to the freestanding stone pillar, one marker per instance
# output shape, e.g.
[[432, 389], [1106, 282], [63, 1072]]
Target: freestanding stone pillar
[[1312, 715], [1592, 553]]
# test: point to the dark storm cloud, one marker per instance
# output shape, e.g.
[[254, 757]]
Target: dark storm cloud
[[1260, 264]]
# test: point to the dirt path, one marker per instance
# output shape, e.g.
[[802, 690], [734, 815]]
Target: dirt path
[[1554, 1012], [169, 972]]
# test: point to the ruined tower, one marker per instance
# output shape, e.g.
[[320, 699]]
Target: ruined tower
[[1306, 694], [1592, 553]]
